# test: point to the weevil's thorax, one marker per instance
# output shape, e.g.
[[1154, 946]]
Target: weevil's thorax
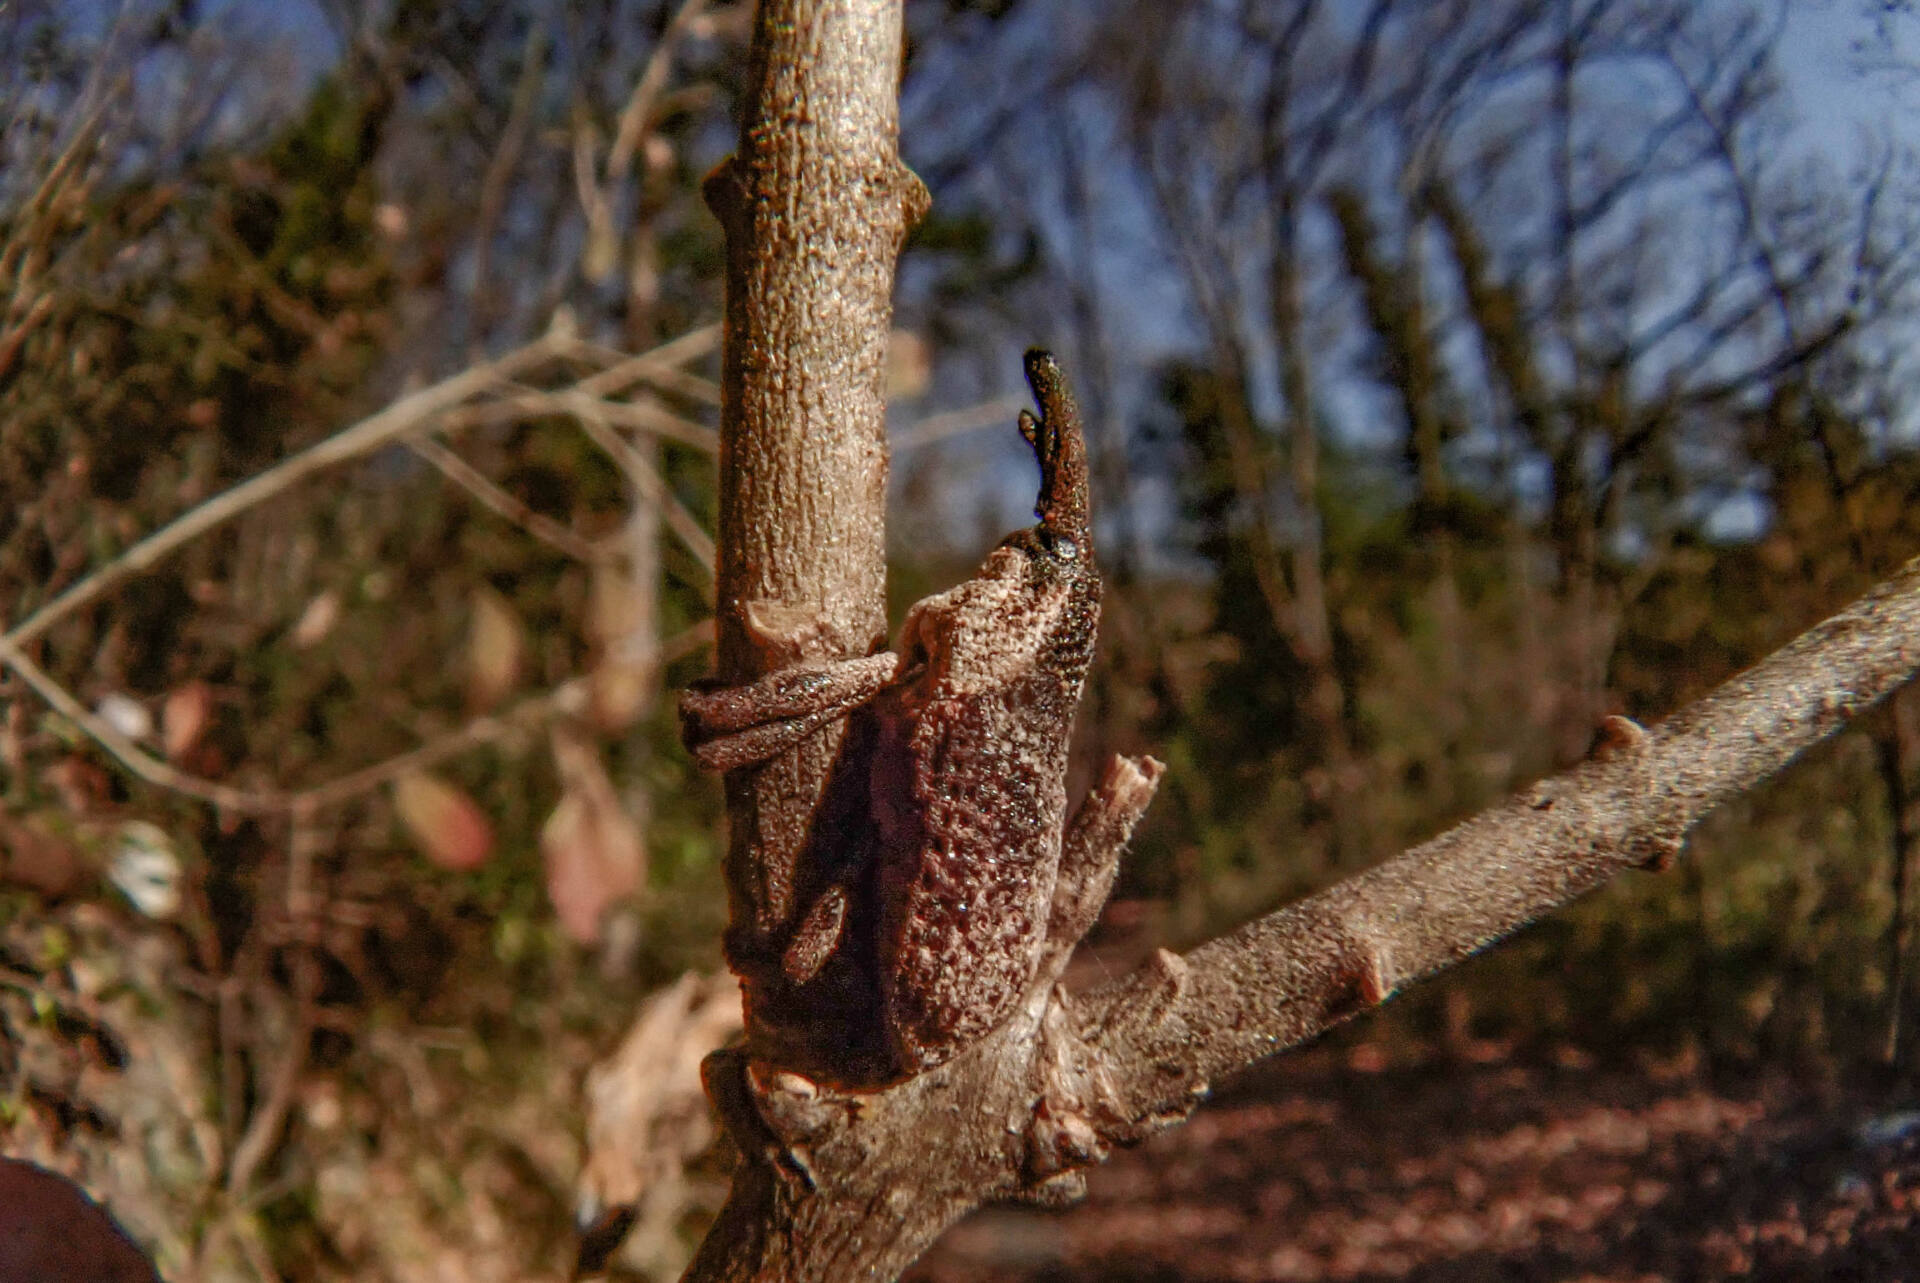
[[1030, 610]]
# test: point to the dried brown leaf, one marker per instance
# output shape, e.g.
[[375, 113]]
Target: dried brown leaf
[[448, 826], [592, 846], [615, 609], [35, 856], [620, 693], [184, 718], [317, 620], [495, 646]]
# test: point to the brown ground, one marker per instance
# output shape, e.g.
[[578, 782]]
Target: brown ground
[[1318, 1170]]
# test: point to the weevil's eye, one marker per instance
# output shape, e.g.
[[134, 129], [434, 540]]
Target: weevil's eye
[[1059, 545]]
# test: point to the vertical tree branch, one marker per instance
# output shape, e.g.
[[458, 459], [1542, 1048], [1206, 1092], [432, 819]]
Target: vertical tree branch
[[1898, 746], [815, 204]]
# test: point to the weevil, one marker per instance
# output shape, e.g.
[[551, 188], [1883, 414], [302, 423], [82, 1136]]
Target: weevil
[[972, 712]]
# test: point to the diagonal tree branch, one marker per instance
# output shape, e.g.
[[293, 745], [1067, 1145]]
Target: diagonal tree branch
[[569, 699], [441, 403], [495, 499], [1287, 977]]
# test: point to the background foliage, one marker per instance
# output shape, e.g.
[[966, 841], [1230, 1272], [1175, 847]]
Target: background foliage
[[1461, 373]]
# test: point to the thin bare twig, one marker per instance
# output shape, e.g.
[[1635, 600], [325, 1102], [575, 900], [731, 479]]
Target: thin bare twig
[[263, 1128], [525, 403], [638, 112], [409, 414], [495, 499], [494, 184], [131, 755], [596, 194], [406, 415], [643, 416], [15, 335], [650, 485], [569, 697], [666, 378], [957, 423], [665, 359], [392, 424], [687, 384]]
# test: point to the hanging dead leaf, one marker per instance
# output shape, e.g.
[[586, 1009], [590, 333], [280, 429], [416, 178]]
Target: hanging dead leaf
[[591, 845], [184, 718], [448, 826], [647, 1116], [34, 855], [619, 693], [494, 648]]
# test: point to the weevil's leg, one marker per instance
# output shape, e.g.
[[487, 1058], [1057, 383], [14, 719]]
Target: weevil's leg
[[709, 711], [731, 726], [817, 936]]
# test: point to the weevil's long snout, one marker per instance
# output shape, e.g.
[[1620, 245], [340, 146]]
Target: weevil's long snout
[[1061, 447]]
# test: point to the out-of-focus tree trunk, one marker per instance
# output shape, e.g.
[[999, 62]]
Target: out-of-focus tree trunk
[[1898, 751]]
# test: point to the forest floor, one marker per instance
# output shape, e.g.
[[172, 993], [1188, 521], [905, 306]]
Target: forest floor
[[1332, 1166]]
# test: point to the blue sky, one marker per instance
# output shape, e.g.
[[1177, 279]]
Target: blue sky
[[1835, 100]]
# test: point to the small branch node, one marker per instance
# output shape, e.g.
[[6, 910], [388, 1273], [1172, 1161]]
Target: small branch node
[[1059, 1141], [1168, 977], [721, 189], [775, 1116], [1616, 736], [1149, 997], [784, 633], [915, 199], [1063, 1190], [1659, 852], [794, 1107], [1090, 857], [1370, 978]]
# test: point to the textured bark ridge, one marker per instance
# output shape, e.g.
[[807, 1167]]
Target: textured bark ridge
[[860, 1142]]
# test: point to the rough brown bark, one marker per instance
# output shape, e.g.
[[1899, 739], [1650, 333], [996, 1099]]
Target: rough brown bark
[[837, 1183]]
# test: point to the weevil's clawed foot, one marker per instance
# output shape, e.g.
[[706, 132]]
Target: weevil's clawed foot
[[727, 727]]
